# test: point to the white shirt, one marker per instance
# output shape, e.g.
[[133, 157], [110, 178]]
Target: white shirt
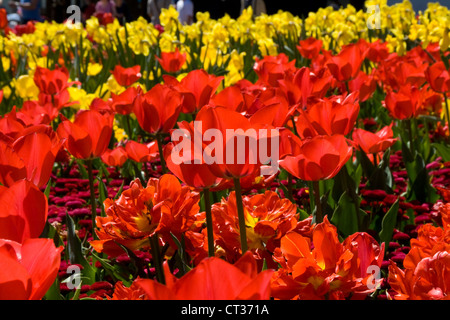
[[185, 9]]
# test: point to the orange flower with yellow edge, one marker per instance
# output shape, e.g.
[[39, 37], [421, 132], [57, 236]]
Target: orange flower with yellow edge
[[162, 207], [426, 273], [267, 219], [322, 267]]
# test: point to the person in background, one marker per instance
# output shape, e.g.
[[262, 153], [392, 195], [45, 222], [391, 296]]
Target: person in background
[[185, 10], [154, 8], [105, 6], [258, 6], [122, 12], [28, 10]]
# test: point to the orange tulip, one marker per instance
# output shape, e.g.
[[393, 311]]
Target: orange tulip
[[126, 76], [3, 18], [172, 61], [24, 211], [158, 109], [162, 207], [320, 158], [28, 269], [267, 219], [240, 281], [89, 135], [331, 270]]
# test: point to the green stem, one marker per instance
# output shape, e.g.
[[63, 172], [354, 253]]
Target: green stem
[[209, 223], [157, 259], [447, 109], [241, 217], [159, 139], [92, 191], [316, 190]]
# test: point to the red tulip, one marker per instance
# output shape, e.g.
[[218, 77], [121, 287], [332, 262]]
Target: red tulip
[[194, 172], [30, 157], [320, 158], [231, 98], [438, 77], [346, 64], [310, 48], [158, 109], [140, 152], [336, 115], [405, 103], [11, 125], [234, 156], [3, 18], [89, 135], [24, 211], [123, 103], [270, 69], [115, 157], [372, 143], [126, 76], [197, 88], [172, 61], [364, 84], [213, 279], [28, 269]]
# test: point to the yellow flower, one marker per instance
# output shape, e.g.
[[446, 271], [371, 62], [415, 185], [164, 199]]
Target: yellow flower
[[26, 88], [94, 69], [82, 98]]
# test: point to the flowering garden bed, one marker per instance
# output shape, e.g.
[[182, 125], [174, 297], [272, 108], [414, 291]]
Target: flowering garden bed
[[117, 180]]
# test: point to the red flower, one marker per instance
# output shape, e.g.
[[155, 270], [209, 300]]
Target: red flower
[[28, 269], [158, 109], [267, 219], [321, 157], [126, 76], [141, 152], [405, 103], [197, 88], [330, 270], [213, 279], [123, 103], [24, 211], [438, 77], [115, 157], [270, 69], [335, 115], [163, 207], [347, 63], [172, 61], [30, 157], [310, 48], [194, 172], [3, 18], [89, 135], [372, 143]]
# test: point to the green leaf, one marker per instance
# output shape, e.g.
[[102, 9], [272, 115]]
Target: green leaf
[[388, 223], [345, 217], [53, 292], [75, 251], [442, 151], [185, 266]]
